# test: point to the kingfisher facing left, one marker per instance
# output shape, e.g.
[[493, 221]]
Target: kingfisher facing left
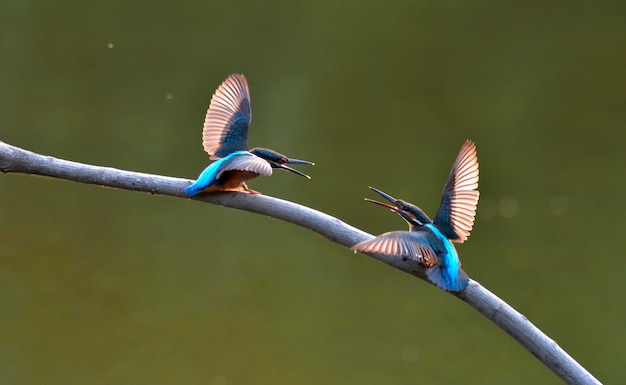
[[225, 139], [430, 242]]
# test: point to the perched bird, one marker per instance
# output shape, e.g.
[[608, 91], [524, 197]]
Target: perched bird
[[430, 242], [225, 139]]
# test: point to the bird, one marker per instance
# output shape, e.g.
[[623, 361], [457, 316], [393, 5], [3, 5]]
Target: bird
[[429, 242], [225, 139]]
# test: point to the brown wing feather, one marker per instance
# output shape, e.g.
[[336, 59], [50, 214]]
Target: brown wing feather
[[460, 197], [403, 244], [227, 118]]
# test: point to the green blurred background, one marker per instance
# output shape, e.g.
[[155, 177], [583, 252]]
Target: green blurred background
[[105, 286]]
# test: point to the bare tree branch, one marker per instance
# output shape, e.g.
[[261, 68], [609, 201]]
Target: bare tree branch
[[17, 160]]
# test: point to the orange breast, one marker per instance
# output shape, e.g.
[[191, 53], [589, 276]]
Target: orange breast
[[232, 181]]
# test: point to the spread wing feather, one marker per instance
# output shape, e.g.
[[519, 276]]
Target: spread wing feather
[[228, 118], [455, 217], [404, 244]]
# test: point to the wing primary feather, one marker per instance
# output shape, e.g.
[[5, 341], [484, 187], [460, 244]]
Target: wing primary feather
[[228, 118], [403, 244], [455, 217]]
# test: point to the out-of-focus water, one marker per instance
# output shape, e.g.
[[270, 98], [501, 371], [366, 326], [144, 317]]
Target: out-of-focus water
[[105, 286]]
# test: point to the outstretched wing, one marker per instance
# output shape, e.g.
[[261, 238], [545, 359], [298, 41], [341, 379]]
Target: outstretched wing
[[455, 217], [227, 119], [403, 244], [246, 162]]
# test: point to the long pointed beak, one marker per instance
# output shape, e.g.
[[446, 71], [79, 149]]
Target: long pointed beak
[[285, 167], [384, 195], [298, 161], [393, 207]]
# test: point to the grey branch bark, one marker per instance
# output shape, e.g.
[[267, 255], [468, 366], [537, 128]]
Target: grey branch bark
[[17, 160]]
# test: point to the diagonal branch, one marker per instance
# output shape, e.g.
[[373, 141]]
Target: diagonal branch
[[17, 160]]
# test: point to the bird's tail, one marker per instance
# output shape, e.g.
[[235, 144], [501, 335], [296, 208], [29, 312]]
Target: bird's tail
[[194, 189], [444, 280]]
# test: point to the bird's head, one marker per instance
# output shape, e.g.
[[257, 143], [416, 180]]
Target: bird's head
[[409, 212], [278, 160]]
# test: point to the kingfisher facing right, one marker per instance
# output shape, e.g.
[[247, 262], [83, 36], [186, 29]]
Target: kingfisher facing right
[[225, 139], [430, 242]]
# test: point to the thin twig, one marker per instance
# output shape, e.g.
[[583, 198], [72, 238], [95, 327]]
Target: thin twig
[[17, 160]]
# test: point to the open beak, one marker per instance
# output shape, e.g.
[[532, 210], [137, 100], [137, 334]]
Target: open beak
[[295, 161], [393, 207], [285, 167], [386, 196]]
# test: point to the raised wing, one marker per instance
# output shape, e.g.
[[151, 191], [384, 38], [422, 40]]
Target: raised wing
[[403, 244], [455, 217], [227, 119], [247, 162]]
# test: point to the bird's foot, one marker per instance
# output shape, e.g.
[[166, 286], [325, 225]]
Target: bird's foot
[[248, 190]]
